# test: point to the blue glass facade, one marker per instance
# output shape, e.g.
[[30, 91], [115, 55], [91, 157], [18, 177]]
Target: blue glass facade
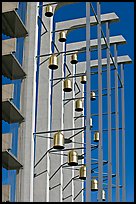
[[9, 176]]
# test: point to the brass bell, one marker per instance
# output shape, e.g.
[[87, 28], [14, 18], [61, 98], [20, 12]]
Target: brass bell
[[93, 97], [72, 158], [103, 195], [67, 85], [79, 105], [58, 141], [62, 36], [74, 59], [48, 11], [83, 79], [94, 185], [96, 136], [82, 172], [53, 62]]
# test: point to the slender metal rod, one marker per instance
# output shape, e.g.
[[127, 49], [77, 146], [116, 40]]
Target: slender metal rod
[[94, 114], [43, 24], [62, 121], [78, 193], [47, 4], [123, 138], [50, 188], [100, 150], [108, 47], [57, 170], [117, 124], [109, 116], [52, 131], [70, 182], [108, 44], [83, 141], [73, 126], [97, 166], [49, 118], [75, 134], [67, 197], [35, 175], [83, 128], [88, 105], [78, 75], [92, 146], [43, 157], [104, 173]]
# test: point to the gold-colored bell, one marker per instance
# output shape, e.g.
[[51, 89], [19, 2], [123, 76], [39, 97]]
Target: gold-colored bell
[[72, 158], [93, 97], [82, 172], [103, 195], [62, 36], [96, 136], [83, 79], [67, 85], [94, 185], [58, 141], [53, 62], [74, 59], [49, 11], [79, 105]]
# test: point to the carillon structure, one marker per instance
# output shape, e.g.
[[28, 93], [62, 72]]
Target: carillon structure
[[71, 110]]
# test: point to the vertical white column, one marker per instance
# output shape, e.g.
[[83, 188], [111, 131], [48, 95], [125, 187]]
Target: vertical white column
[[100, 118], [42, 170], [117, 123], [33, 107], [62, 126], [88, 106], [73, 124], [27, 106], [49, 115], [123, 137]]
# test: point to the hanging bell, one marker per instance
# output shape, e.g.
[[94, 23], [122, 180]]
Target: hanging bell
[[53, 62], [79, 105], [83, 79], [58, 141], [67, 85], [72, 158], [82, 172], [96, 136], [93, 97], [94, 185], [103, 195], [91, 123], [74, 59], [48, 11], [62, 36]]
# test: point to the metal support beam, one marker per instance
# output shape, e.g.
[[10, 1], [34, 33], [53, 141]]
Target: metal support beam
[[123, 138], [117, 124], [83, 143], [88, 105], [49, 122], [73, 125], [100, 150], [109, 116], [62, 125], [107, 43]]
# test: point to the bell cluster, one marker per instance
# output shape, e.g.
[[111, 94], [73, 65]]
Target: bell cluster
[[67, 87]]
